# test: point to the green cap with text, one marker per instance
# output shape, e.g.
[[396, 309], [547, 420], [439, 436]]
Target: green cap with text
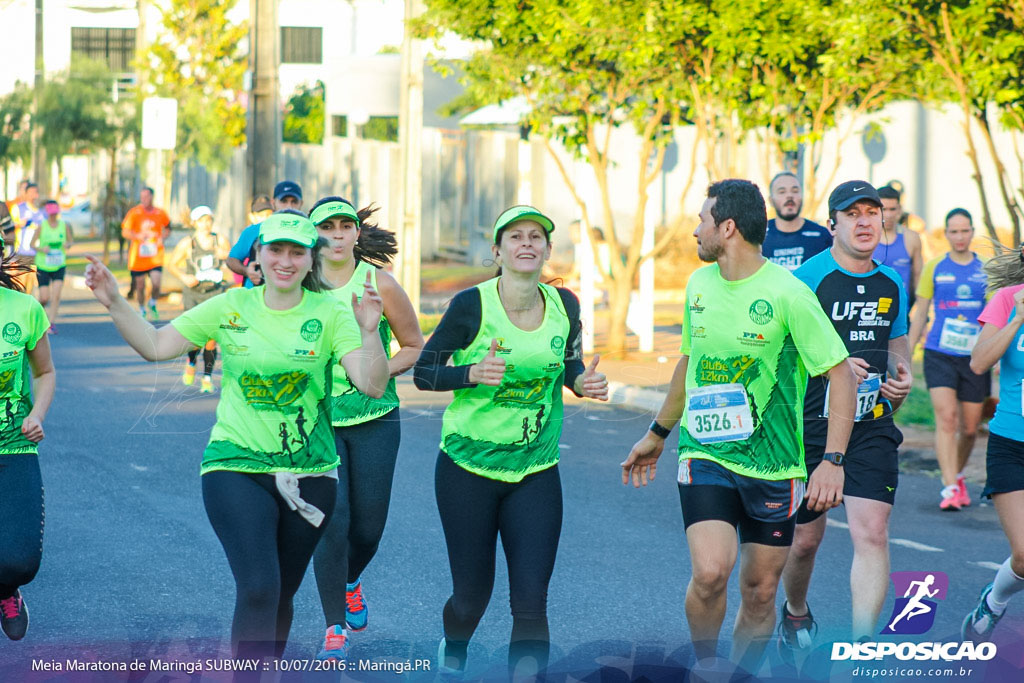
[[329, 210], [521, 213], [288, 227]]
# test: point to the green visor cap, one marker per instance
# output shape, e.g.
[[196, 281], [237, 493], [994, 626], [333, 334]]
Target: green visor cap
[[522, 213], [286, 227], [332, 209]]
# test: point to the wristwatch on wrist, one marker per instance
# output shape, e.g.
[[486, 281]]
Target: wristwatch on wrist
[[836, 458], [658, 430]]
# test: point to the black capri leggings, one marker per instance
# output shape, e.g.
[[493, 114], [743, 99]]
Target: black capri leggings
[[528, 515], [21, 521], [368, 452], [268, 548]]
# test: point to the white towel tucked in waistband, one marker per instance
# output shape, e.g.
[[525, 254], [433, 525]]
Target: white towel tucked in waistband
[[288, 487]]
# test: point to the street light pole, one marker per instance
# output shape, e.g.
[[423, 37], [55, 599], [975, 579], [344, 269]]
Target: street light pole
[[263, 141], [410, 139], [39, 174]]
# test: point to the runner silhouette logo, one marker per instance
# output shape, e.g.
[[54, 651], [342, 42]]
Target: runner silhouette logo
[[916, 596]]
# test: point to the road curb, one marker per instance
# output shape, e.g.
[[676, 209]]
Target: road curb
[[633, 396]]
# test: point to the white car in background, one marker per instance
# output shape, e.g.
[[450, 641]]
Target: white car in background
[[80, 219]]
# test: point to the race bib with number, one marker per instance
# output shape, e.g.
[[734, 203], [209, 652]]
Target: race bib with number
[[720, 412], [54, 259], [148, 248], [867, 396], [958, 336], [210, 275]]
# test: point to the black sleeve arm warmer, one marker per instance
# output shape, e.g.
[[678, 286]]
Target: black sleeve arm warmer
[[457, 329], [574, 344]]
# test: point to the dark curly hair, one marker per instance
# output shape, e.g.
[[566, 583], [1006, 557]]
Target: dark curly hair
[[375, 245]]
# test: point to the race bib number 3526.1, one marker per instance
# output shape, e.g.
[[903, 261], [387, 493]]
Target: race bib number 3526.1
[[720, 412]]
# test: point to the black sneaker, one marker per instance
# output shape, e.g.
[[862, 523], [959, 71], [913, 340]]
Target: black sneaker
[[14, 616], [796, 634]]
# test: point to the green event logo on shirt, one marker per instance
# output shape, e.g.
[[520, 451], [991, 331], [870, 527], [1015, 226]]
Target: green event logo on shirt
[[761, 312], [524, 391], [273, 392], [12, 333], [311, 330], [558, 346]]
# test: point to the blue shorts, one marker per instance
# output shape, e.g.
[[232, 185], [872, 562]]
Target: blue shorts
[[763, 511]]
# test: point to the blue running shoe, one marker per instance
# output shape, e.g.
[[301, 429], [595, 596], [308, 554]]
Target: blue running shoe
[[356, 613], [335, 645], [978, 625]]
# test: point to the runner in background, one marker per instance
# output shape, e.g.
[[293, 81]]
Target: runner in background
[[146, 227], [259, 209], [899, 248], [27, 384], [1001, 340], [51, 244], [367, 431], [242, 260], [28, 216], [514, 343], [269, 475], [752, 334], [867, 305], [791, 239], [955, 282], [199, 263]]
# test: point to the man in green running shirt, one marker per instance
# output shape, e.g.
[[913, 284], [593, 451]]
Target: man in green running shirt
[[751, 335]]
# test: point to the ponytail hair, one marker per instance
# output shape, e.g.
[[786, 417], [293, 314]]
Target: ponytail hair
[[375, 245], [13, 267], [1006, 268], [315, 280]]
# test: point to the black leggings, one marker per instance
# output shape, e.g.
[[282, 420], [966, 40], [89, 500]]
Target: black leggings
[[209, 357], [368, 452], [268, 548], [21, 521], [528, 515]]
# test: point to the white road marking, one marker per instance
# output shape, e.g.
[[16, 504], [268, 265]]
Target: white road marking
[[913, 545], [995, 566]]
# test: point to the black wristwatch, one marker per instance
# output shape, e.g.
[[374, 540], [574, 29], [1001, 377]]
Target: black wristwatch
[[658, 430], [836, 458]]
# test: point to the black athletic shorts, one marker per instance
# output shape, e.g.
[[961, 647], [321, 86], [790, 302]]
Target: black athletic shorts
[[871, 465], [1004, 466], [45, 276], [154, 269], [762, 511], [946, 370]]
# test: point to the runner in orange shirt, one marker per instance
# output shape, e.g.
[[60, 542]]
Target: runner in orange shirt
[[146, 227]]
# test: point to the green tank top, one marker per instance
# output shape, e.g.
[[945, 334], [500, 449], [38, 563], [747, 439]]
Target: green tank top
[[349, 406], [510, 431], [50, 254]]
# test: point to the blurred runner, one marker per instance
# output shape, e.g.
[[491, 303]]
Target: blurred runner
[[146, 227], [791, 239], [51, 244]]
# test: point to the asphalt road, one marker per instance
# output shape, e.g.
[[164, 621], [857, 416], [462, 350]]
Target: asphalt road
[[132, 569]]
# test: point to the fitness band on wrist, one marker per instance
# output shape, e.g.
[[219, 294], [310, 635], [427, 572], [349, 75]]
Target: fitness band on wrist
[[658, 430]]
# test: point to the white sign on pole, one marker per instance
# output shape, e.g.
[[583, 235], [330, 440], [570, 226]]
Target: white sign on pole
[[159, 122]]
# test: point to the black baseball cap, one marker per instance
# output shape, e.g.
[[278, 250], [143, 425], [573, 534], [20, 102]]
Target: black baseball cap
[[287, 188], [850, 192]]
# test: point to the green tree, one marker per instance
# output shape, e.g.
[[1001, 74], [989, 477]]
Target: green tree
[[304, 115], [778, 70], [15, 144], [585, 68], [975, 56], [198, 61], [75, 110]]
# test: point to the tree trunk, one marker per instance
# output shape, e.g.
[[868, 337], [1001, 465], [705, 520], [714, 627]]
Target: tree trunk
[[618, 308], [108, 203], [1002, 177]]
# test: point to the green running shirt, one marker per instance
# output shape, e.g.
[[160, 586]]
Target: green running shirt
[[50, 253], [766, 332], [512, 430], [274, 412], [349, 406], [22, 326]]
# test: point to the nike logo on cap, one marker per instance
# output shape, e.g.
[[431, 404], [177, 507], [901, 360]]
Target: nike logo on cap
[[858, 189]]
